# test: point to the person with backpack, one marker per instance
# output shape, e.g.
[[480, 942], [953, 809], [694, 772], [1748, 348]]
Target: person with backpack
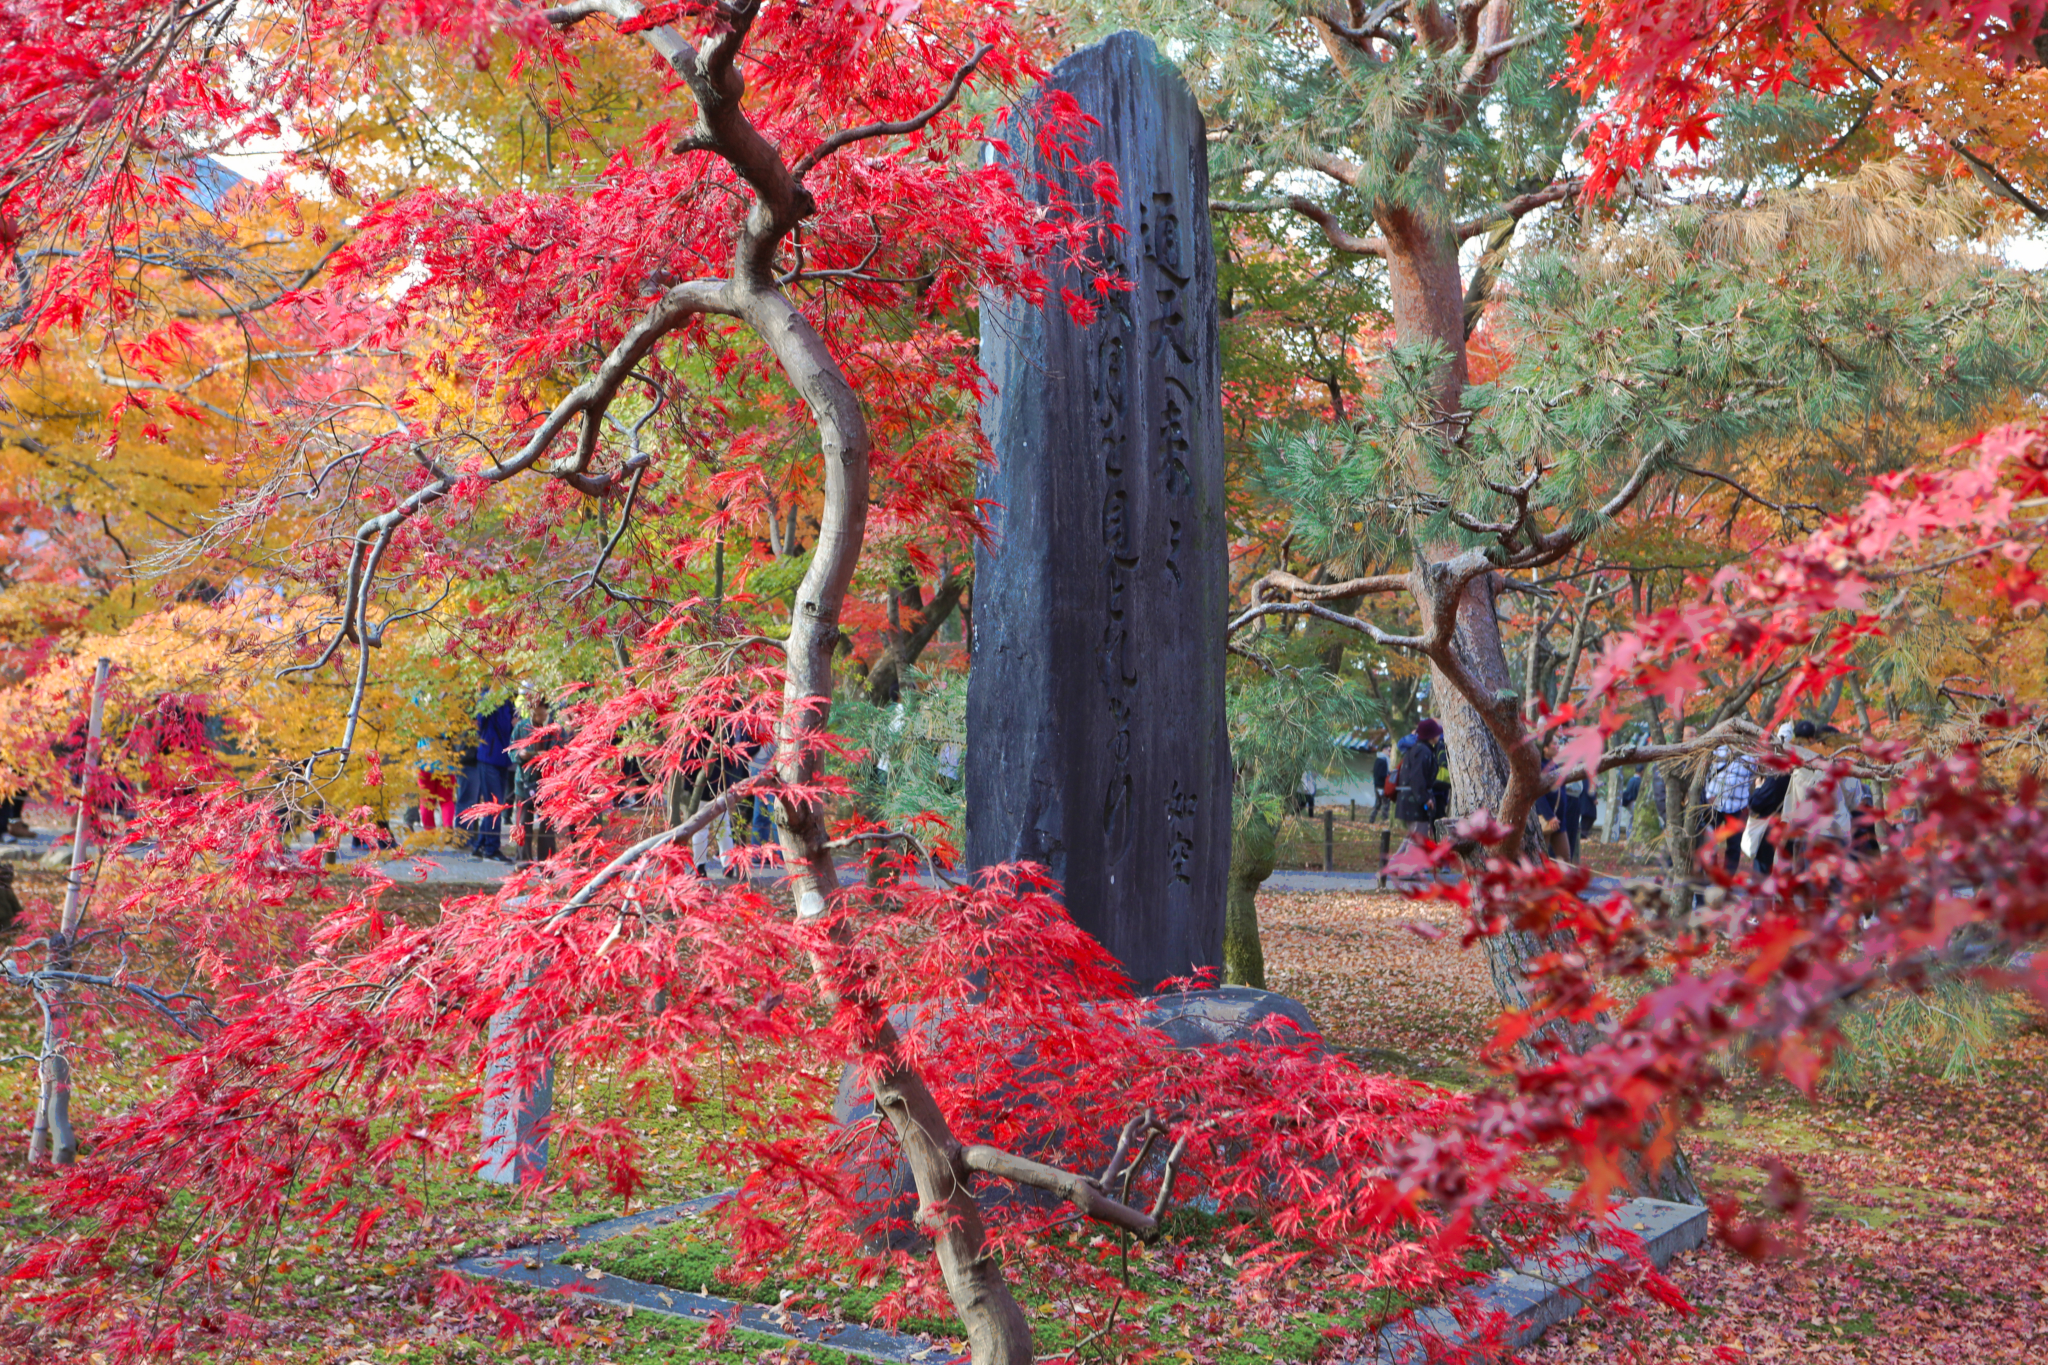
[[536, 837], [1440, 783], [1416, 781]]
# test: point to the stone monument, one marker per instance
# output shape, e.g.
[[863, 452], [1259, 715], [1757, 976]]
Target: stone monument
[[1095, 702]]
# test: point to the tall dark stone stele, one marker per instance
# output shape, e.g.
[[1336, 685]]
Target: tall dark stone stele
[[1096, 740]]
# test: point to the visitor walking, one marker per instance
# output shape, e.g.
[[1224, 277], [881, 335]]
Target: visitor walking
[[712, 768], [1812, 801], [763, 823], [487, 779], [1417, 780], [1728, 785], [1574, 811], [1773, 795], [1440, 782], [436, 783]]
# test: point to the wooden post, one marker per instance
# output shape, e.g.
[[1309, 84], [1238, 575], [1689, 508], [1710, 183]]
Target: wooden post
[[51, 1138], [1354, 810], [1386, 851], [1329, 839]]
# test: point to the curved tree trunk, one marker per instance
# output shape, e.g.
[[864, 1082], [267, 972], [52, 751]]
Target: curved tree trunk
[[997, 1331]]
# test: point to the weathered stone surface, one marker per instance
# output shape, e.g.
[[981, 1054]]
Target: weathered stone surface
[[1229, 1014], [1518, 1306], [519, 1102], [1095, 706]]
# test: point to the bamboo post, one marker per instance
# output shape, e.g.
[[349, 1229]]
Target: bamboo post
[[51, 1138]]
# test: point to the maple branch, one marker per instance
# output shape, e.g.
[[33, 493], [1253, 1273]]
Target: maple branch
[[566, 16], [638, 464], [591, 399], [257, 305], [164, 1003], [1992, 177], [699, 820], [1078, 1190], [915, 123], [377, 632]]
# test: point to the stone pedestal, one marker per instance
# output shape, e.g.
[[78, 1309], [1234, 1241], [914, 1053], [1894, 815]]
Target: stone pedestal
[[1223, 1017], [1096, 737], [519, 1099]]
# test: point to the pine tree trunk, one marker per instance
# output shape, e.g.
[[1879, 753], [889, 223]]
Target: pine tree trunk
[[1428, 305], [1252, 845]]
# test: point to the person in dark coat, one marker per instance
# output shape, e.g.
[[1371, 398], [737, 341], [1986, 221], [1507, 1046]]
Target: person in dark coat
[[487, 777], [1417, 778]]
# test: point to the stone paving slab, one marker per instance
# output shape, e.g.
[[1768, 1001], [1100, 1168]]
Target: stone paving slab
[[1529, 1302], [1535, 1298], [542, 1267]]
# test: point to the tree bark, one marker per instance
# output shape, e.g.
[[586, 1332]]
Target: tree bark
[[997, 1331], [51, 1137], [1252, 845], [1494, 766], [885, 679]]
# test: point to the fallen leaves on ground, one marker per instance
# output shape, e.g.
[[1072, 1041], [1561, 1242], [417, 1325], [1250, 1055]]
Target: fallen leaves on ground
[[1390, 996], [1927, 1241]]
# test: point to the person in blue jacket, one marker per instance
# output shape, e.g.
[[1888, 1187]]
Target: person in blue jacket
[[487, 777]]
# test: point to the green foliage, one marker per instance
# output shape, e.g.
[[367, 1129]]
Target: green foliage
[[908, 758], [1675, 346], [1944, 1031], [1266, 80], [1283, 724], [1778, 140]]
